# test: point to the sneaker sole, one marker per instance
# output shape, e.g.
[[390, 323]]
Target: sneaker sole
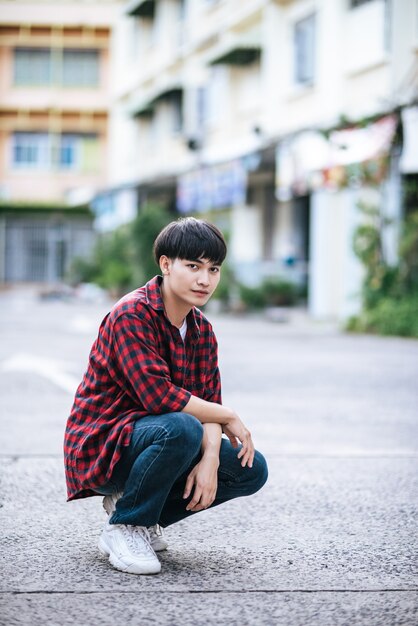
[[159, 546], [134, 568]]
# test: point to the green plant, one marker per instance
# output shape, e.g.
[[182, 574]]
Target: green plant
[[150, 220], [272, 291], [408, 252], [252, 297], [278, 292], [390, 293], [122, 259], [380, 277], [111, 263], [223, 290], [390, 316]]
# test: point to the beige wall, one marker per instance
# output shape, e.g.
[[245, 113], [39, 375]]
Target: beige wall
[[54, 108]]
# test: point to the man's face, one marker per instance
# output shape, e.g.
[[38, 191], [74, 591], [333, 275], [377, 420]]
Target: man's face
[[191, 282]]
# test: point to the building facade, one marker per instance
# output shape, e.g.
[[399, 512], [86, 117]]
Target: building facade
[[273, 117], [54, 102]]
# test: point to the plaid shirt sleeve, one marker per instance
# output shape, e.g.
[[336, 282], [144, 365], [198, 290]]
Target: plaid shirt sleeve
[[213, 378], [140, 370]]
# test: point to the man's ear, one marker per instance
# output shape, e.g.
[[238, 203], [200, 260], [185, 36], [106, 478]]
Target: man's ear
[[165, 265]]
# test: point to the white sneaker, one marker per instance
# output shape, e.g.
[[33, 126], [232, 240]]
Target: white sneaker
[[156, 533], [129, 549], [158, 540]]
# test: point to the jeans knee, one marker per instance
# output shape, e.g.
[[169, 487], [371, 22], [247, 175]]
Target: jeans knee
[[259, 472], [187, 430]]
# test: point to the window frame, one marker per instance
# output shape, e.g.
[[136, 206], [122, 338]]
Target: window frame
[[48, 151], [58, 67], [21, 56], [304, 69]]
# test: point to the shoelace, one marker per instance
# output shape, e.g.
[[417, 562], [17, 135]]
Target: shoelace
[[141, 539]]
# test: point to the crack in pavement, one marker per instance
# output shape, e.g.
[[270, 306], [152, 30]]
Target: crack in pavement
[[209, 591]]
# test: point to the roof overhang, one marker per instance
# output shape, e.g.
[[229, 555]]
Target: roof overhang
[[141, 8], [145, 107], [234, 48], [237, 55]]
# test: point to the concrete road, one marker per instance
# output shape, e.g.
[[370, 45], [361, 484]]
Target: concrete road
[[332, 538]]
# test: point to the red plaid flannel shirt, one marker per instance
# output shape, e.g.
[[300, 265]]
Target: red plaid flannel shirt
[[138, 366]]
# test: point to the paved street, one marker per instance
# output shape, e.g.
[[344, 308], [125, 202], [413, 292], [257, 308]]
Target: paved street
[[332, 538]]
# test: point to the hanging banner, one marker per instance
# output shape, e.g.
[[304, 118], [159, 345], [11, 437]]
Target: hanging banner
[[212, 187], [297, 161], [352, 156], [356, 145]]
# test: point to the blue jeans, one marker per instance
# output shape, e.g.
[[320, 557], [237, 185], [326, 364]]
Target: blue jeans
[[153, 469]]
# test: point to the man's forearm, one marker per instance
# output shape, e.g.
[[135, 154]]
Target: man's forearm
[[211, 442], [208, 412]]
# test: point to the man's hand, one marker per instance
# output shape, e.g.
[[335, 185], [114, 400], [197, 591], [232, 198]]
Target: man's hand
[[232, 426], [203, 482], [237, 432]]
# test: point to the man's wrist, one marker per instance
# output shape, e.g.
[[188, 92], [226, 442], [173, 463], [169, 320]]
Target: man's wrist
[[230, 414], [211, 454]]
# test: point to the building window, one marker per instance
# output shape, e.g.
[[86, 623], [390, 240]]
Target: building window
[[45, 66], [176, 111], [304, 51], [78, 152], [43, 151], [32, 66], [202, 96], [31, 150], [80, 68]]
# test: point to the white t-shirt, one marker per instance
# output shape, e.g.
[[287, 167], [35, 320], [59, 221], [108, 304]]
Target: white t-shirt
[[183, 329]]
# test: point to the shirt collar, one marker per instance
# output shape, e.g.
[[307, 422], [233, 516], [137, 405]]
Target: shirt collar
[[154, 297]]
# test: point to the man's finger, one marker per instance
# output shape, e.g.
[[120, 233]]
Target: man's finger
[[196, 498], [244, 449], [197, 508], [189, 486], [248, 455], [242, 452]]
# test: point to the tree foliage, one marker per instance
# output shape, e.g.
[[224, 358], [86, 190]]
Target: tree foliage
[[122, 259], [389, 292]]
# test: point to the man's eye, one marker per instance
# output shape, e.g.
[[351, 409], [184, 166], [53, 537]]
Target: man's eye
[[214, 270], [192, 266]]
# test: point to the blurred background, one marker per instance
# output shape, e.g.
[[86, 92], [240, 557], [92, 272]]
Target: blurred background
[[292, 124]]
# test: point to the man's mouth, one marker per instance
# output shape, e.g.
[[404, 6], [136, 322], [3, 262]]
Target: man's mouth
[[200, 292]]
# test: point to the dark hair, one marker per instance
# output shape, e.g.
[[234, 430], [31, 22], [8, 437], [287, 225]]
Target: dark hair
[[190, 238]]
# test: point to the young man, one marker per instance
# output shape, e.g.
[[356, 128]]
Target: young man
[[146, 426]]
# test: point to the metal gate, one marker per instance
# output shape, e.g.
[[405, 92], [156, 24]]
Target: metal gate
[[42, 250]]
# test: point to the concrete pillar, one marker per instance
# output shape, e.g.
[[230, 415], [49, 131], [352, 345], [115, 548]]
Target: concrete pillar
[[2, 249], [335, 275]]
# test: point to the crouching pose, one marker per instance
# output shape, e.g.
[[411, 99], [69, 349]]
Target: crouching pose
[[145, 430]]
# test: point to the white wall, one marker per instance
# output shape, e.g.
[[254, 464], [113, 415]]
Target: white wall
[[335, 272], [360, 70]]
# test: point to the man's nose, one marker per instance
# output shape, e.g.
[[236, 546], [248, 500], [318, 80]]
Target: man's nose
[[203, 278]]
